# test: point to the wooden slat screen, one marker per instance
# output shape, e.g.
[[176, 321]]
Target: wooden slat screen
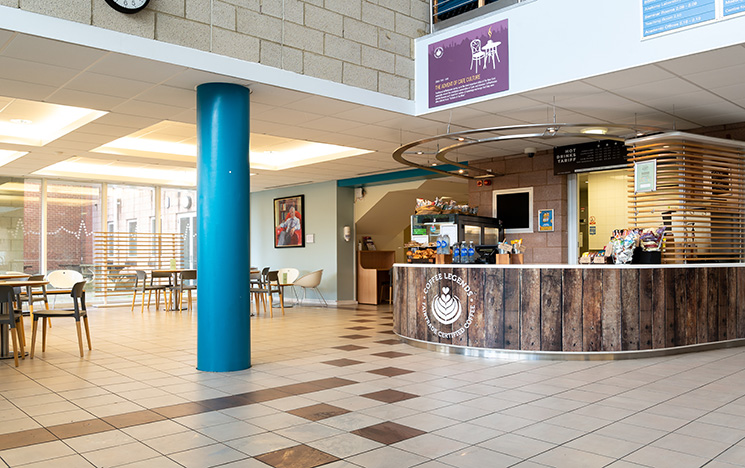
[[118, 254], [700, 196]]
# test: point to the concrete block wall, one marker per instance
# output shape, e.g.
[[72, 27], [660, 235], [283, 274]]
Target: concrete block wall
[[549, 192], [363, 43]]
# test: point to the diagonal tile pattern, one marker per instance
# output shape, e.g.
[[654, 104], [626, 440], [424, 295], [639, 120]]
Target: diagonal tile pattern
[[313, 399]]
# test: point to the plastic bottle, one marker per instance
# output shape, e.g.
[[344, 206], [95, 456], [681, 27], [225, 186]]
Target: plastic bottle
[[456, 253], [446, 244], [471, 252], [440, 242], [463, 252]]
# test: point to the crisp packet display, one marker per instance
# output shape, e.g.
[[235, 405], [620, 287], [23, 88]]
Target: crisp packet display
[[622, 244], [651, 239]]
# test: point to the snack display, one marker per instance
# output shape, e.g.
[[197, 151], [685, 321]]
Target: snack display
[[418, 255], [623, 242]]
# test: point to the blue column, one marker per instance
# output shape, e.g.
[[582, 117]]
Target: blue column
[[223, 202]]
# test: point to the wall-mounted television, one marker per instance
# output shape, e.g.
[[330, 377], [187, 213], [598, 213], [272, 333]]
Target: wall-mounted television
[[515, 208]]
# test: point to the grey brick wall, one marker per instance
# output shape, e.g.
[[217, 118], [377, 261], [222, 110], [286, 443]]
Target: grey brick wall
[[363, 43]]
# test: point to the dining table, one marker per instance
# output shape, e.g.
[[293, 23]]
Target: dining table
[[4, 329], [176, 277], [490, 48]]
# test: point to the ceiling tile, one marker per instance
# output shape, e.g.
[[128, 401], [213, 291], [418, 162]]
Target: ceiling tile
[[71, 97], [705, 61], [147, 109], [134, 68], [25, 90], [52, 52], [32, 72], [631, 77], [108, 85], [170, 96]]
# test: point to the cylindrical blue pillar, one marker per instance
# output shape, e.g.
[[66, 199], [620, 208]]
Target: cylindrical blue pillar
[[223, 202]]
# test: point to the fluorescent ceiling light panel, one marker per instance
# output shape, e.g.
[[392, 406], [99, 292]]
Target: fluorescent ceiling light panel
[[38, 123], [7, 156], [177, 141], [164, 140], [95, 169]]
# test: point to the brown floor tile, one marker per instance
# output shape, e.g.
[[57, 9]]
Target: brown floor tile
[[134, 418], [318, 412], [389, 396], [388, 432], [299, 456], [388, 332], [80, 428], [387, 324], [359, 328], [362, 320], [349, 347], [392, 341], [300, 388], [390, 371], [391, 354], [333, 382], [24, 438], [216, 404], [260, 396], [342, 362], [182, 409], [354, 337]]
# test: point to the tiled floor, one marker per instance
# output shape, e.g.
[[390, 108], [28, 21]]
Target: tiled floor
[[320, 396]]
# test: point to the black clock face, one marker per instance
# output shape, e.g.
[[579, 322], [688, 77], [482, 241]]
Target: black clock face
[[128, 6]]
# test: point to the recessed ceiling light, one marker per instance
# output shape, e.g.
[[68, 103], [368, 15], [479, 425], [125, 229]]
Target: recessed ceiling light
[[120, 171], [595, 130], [38, 123]]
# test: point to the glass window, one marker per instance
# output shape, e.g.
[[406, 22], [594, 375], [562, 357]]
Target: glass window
[[73, 215], [179, 215], [20, 225]]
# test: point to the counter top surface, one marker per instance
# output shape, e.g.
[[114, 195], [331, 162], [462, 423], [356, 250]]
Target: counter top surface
[[584, 265]]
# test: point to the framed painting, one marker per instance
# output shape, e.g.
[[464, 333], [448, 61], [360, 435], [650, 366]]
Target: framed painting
[[289, 222]]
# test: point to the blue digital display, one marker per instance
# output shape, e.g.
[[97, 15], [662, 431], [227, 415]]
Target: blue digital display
[[668, 15], [733, 7]]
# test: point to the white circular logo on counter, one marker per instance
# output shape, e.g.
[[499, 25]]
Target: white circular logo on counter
[[445, 307]]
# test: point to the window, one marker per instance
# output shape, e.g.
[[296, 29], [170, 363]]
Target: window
[[132, 230], [515, 208]]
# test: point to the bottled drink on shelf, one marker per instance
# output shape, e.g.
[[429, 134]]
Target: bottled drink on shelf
[[463, 252], [471, 252], [446, 244], [456, 253]]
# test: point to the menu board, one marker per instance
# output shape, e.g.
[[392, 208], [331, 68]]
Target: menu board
[[661, 16], [596, 154], [733, 7]]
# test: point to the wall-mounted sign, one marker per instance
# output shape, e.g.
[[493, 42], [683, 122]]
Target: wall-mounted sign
[[733, 7], [662, 16], [607, 154], [545, 220], [645, 176], [469, 65]]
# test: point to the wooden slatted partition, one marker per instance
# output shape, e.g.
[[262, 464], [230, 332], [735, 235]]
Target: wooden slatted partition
[[118, 254], [700, 196]]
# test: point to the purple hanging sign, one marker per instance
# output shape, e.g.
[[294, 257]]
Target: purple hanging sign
[[469, 65]]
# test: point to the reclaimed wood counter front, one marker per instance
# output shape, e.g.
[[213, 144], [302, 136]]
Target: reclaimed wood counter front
[[569, 308]]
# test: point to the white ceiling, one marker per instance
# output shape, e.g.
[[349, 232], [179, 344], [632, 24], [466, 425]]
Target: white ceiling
[[694, 91]]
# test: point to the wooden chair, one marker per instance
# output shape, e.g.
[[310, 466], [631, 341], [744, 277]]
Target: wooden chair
[[259, 292], [38, 293], [78, 311], [141, 284], [158, 284], [186, 275], [272, 282], [9, 316]]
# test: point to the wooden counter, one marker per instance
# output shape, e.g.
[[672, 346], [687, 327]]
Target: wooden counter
[[570, 308], [373, 273]]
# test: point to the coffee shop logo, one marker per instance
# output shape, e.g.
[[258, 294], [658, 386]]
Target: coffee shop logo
[[446, 307]]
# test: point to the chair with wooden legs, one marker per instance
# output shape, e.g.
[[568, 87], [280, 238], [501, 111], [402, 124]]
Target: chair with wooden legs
[[78, 312], [9, 316], [38, 294], [183, 285], [143, 287], [272, 283], [259, 291]]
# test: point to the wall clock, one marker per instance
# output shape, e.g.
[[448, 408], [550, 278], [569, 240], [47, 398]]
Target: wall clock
[[128, 6]]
